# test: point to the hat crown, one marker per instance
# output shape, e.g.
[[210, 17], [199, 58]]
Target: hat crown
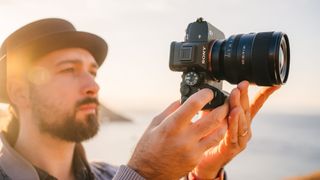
[[37, 30]]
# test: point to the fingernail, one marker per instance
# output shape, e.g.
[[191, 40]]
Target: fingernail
[[209, 91]]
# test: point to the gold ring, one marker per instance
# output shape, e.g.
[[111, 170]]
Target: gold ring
[[244, 133]]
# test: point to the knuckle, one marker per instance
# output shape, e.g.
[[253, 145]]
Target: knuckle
[[166, 131], [156, 119], [195, 103], [233, 146]]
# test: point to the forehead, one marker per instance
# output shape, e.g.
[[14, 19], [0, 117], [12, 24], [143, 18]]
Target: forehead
[[65, 55]]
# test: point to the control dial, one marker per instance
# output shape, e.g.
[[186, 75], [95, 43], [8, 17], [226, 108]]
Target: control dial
[[191, 78]]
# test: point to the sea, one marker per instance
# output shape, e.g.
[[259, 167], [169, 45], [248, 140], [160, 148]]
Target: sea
[[282, 146]]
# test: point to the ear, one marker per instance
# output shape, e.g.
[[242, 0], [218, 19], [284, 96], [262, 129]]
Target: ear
[[18, 92]]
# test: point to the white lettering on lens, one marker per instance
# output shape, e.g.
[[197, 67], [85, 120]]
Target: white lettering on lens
[[204, 49], [243, 53], [229, 49]]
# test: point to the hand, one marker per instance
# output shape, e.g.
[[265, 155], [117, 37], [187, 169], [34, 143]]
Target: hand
[[238, 133], [173, 145]]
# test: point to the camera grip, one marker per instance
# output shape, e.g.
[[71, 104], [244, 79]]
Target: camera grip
[[219, 95]]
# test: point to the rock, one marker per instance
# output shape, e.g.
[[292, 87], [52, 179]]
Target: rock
[[105, 114], [311, 176]]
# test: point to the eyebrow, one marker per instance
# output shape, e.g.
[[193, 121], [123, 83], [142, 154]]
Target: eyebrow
[[75, 61]]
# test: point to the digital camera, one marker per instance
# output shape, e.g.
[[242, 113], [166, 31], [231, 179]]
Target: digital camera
[[206, 58]]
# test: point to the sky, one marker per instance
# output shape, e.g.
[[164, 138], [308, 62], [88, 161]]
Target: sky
[[136, 76]]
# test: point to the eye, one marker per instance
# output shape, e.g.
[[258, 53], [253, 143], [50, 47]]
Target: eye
[[93, 73], [68, 70]]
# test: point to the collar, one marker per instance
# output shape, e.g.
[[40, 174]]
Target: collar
[[16, 167], [80, 167], [13, 164]]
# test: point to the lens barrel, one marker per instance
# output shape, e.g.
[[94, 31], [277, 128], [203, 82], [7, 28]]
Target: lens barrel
[[262, 58]]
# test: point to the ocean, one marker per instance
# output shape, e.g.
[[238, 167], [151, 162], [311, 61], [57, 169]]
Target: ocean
[[282, 146]]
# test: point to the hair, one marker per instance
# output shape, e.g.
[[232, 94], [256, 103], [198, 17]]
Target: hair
[[17, 68], [12, 128]]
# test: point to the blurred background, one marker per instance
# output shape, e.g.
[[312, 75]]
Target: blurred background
[[136, 81]]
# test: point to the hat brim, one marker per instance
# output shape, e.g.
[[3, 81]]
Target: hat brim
[[41, 46], [45, 44]]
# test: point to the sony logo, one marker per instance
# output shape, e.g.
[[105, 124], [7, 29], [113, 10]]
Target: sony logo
[[203, 57]]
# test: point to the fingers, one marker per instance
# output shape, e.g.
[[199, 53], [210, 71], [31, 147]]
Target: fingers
[[243, 130], [234, 98], [260, 99], [184, 114], [238, 133], [244, 114], [211, 121], [232, 134], [170, 109], [244, 98], [240, 113], [214, 137]]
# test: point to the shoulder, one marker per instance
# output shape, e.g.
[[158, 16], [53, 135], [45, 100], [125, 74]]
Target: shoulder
[[103, 171]]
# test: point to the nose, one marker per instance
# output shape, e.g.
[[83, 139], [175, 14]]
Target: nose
[[89, 85]]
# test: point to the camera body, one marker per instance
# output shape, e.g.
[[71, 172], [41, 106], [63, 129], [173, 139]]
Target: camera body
[[192, 58], [206, 58]]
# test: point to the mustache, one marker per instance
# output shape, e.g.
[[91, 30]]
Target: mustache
[[88, 100]]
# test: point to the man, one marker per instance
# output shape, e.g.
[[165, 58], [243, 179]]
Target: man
[[48, 77]]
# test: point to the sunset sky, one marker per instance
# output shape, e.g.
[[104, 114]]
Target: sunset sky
[[136, 75]]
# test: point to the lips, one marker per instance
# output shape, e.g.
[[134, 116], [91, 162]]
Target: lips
[[89, 108]]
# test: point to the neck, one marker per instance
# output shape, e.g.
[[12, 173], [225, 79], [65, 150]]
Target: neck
[[48, 153]]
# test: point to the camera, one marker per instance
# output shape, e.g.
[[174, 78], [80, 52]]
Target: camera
[[206, 58]]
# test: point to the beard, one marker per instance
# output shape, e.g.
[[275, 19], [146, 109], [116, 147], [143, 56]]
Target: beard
[[57, 122]]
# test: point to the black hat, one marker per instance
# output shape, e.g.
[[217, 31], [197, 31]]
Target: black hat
[[41, 37]]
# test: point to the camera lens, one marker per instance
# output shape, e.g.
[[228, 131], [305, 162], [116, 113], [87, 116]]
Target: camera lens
[[283, 60], [261, 58]]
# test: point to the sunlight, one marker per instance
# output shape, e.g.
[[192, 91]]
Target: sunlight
[[4, 106], [38, 75]]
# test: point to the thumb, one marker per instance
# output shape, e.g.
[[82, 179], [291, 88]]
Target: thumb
[[261, 98]]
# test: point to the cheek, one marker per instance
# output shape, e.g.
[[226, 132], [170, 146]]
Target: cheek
[[59, 93]]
